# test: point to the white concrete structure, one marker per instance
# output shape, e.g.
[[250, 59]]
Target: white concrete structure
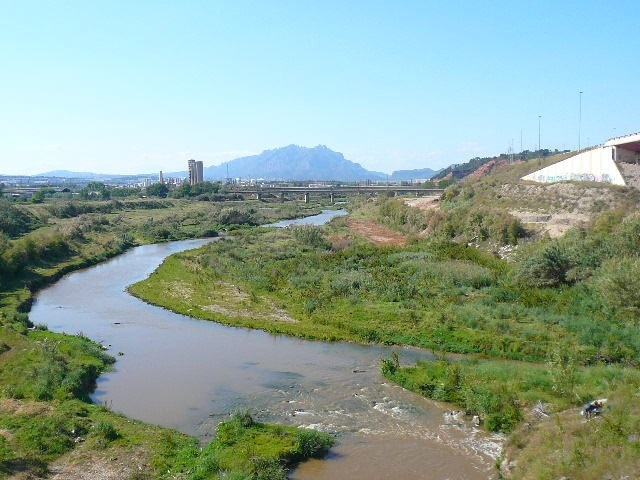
[[597, 164]]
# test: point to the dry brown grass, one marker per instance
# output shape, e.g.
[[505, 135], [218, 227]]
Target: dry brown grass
[[566, 445], [23, 407], [111, 464]]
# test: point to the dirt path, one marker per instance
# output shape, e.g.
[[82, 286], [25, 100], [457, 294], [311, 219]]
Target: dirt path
[[424, 203], [111, 464], [377, 234]]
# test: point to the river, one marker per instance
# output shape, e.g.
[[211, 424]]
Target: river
[[188, 374]]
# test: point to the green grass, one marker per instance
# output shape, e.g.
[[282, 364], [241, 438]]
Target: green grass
[[45, 377], [557, 323], [501, 392], [43, 365], [244, 448], [568, 446], [440, 296]]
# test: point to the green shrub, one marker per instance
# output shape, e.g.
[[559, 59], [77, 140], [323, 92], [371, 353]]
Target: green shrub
[[227, 433], [267, 469], [616, 286], [106, 431], [389, 366], [311, 236], [312, 444], [15, 220], [548, 267]]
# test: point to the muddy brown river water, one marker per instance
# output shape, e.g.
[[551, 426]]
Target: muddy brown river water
[[190, 374]]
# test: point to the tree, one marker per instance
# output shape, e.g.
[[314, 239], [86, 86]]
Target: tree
[[616, 284], [158, 190], [14, 220], [95, 190], [40, 195], [546, 267]]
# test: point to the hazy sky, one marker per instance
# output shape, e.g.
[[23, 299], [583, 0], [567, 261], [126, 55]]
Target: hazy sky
[[141, 86]]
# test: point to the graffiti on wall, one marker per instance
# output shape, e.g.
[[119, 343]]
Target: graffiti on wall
[[580, 177]]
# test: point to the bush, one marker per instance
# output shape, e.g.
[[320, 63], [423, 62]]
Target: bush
[[389, 366], [14, 220], [459, 384], [312, 444], [616, 286], [234, 216], [228, 433], [311, 236], [546, 267], [267, 469], [105, 431]]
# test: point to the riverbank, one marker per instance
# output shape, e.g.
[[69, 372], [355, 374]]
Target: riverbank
[[46, 425], [533, 335]]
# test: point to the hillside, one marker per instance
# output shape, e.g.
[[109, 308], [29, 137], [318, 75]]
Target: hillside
[[294, 163], [491, 196], [480, 166], [67, 174], [418, 174]]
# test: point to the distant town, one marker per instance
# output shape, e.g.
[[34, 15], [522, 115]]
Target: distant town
[[291, 166], [68, 184]]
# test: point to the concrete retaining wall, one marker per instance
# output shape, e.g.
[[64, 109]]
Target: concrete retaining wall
[[595, 165]]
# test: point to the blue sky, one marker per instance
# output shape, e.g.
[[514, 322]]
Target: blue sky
[[142, 86]]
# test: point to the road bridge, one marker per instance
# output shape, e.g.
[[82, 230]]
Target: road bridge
[[333, 191]]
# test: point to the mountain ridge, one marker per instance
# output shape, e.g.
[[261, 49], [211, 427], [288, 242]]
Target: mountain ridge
[[291, 162]]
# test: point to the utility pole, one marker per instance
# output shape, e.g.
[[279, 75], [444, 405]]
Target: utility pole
[[511, 153], [520, 140]]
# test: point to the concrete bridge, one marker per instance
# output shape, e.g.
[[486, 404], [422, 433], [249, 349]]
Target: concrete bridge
[[333, 191]]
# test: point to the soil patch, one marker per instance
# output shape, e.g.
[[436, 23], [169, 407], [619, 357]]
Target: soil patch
[[377, 234], [20, 407], [278, 315], [555, 224], [113, 464], [424, 203]]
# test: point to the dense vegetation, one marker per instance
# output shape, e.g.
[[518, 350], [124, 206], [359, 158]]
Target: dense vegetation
[[553, 323], [15, 221], [515, 319], [439, 295], [432, 293], [244, 449], [45, 377]]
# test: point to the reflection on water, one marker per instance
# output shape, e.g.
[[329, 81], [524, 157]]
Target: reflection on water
[[319, 219], [190, 374]]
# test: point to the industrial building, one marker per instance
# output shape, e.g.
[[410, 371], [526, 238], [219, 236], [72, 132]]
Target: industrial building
[[195, 172]]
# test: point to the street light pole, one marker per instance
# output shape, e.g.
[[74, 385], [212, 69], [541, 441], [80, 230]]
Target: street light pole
[[539, 117], [580, 120]]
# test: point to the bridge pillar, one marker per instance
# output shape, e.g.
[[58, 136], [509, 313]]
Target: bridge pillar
[[306, 197], [331, 199], [281, 196], [258, 196]]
